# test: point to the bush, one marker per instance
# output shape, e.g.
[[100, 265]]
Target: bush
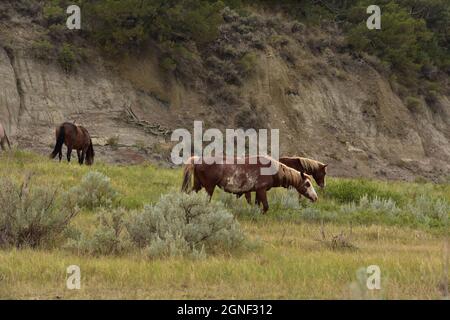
[[239, 207], [67, 58], [247, 63], [288, 199], [430, 212], [168, 64], [31, 216], [375, 206], [109, 236], [43, 50], [58, 32], [414, 104], [113, 142], [347, 191], [95, 190], [182, 224], [54, 14]]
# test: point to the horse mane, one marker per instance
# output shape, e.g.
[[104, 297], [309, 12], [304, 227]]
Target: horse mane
[[288, 176], [310, 166]]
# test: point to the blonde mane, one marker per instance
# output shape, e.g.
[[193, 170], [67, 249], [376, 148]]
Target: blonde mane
[[288, 176]]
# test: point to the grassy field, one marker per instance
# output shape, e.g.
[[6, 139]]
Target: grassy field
[[297, 250]]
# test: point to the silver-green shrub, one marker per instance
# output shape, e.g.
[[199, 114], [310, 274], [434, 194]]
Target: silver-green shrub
[[109, 237], [425, 209], [31, 215], [287, 199], [95, 190], [180, 224], [239, 207], [375, 205]]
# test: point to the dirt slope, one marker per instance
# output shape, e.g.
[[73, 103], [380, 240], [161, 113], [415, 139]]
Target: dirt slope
[[327, 105]]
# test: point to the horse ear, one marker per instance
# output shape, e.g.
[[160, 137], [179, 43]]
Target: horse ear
[[303, 175]]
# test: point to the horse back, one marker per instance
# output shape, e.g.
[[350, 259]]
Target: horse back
[[233, 177], [293, 163]]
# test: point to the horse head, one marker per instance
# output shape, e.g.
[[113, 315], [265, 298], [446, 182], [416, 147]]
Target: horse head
[[306, 188], [319, 175]]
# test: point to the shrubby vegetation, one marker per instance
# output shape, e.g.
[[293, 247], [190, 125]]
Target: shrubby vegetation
[[292, 247], [94, 190], [217, 41], [33, 215], [355, 201], [182, 224], [43, 50], [39, 214], [109, 236], [413, 43], [177, 225]]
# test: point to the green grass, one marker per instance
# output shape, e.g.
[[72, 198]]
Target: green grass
[[288, 258]]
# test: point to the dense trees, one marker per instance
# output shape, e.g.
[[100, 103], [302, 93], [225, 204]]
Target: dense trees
[[125, 24], [413, 44]]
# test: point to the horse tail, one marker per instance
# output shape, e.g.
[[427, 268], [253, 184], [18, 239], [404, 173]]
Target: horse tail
[[59, 142], [187, 177], [91, 148]]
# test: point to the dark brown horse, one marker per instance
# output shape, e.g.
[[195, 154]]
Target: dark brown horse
[[309, 166], [239, 178], [3, 138], [74, 137]]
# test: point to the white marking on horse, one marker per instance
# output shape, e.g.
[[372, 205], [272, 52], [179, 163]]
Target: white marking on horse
[[311, 192], [239, 182]]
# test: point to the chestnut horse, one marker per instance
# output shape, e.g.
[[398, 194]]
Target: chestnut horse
[[239, 178], [3, 138], [74, 137], [309, 166]]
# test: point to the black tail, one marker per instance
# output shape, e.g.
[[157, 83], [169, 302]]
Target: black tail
[[90, 153], [91, 148], [59, 142]]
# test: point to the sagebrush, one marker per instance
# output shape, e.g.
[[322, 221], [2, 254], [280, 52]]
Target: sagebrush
[[184, 224], [33, 214], [95, 190]]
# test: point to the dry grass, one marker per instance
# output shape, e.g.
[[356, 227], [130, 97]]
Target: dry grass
[[288, 264]]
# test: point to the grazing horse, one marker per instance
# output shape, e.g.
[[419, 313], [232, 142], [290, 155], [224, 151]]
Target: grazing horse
[[74, 137], [3, 138], [309, 166], [239, 178]]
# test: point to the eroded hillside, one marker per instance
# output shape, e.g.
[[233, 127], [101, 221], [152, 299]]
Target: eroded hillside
[[261, 71]]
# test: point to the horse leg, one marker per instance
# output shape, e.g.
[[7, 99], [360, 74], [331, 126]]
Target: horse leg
[[83, 155], [257, 202], [2, 143], [69, 152], [197, 185], [248, 197], [79, 156], [60, 154], [210, 191], [261, 195]]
